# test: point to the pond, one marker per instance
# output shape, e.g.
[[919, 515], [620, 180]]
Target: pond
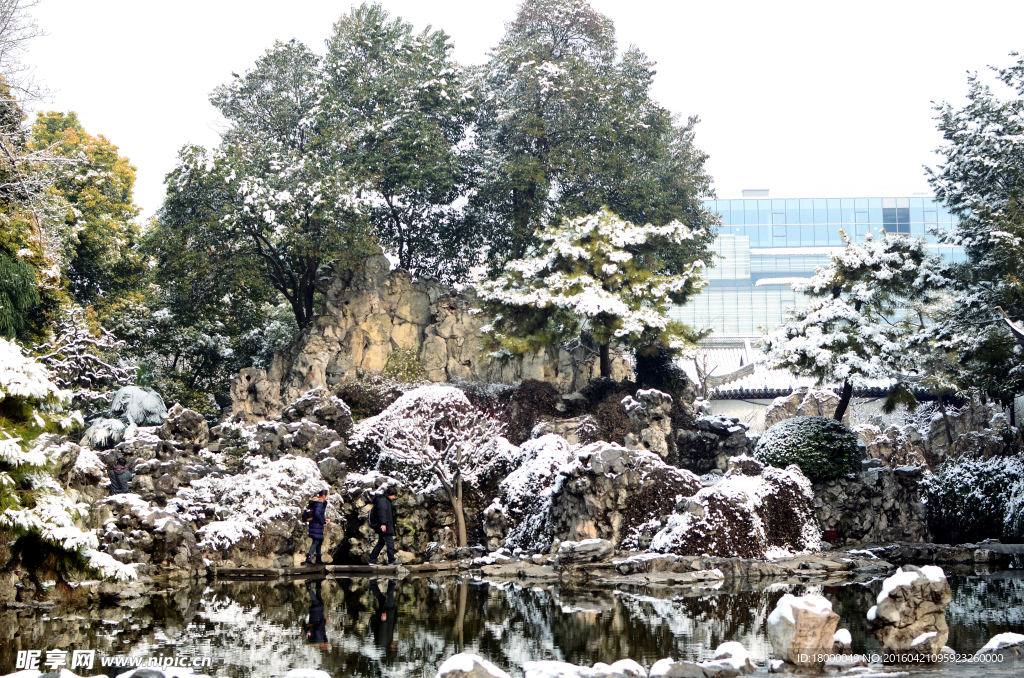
[[408, 627]]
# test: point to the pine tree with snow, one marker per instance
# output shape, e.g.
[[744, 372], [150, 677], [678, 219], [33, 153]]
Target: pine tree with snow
[[855, 329], [599, 274], [37, 519], [981, 180]]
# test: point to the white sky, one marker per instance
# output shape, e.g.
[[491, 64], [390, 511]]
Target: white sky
[[803, 98]]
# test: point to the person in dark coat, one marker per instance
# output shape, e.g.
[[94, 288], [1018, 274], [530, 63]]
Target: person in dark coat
[[383, 622], [120, 477], [318, 508], [316, 628], [382, 522]]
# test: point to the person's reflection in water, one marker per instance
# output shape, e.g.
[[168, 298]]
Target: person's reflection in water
[[316, 627], [383, 621]]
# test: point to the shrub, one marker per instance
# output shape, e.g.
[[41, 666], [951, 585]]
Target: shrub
[[369, 396], [823, 448], [971, 499], [658, 370], [404, 366]]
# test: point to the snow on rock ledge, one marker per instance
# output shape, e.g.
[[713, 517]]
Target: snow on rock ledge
[[1009, 643], [624, 668]]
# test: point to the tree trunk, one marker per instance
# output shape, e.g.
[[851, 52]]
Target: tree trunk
[[606, 361], [460, 515], [844, 400]]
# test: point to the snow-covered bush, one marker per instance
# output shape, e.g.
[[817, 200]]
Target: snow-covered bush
[[433, 436], [973, 499], [823, 448], [85, 362], [139, 406], [37, 519]]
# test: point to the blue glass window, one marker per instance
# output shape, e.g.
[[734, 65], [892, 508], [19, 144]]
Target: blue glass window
[[835, 215], [820, 211], [806, 211], [764, 211], [750, 212]]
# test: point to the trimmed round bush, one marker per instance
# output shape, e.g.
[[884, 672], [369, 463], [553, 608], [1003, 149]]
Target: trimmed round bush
[[823, 448]]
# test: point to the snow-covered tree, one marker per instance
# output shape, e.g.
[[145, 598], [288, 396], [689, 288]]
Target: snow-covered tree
[[401, 107], [567, 125], [599, 274], [84, 361], [981, 180], [434, 431], [37, 519], [855, 329]]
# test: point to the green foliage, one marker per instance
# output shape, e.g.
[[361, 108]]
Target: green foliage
[[823, 448], [100, 218], [404, 366], [402, 108], [566, 126], [18, 294], [969, 500]]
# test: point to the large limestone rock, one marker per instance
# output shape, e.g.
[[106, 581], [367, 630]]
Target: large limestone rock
[[802, 630], [586, 551], [878, 505], [803, 402], [373, 312], [320, 407], [185, 426], [650, 411], [709, 446], [911, 612]]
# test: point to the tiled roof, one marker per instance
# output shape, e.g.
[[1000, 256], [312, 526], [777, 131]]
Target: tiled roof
[[725, 355]]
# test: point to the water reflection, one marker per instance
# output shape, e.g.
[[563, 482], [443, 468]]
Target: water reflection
[[407, 627]]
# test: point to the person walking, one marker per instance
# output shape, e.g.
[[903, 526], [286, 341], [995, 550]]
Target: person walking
[[317, 512], [120, 477], [382, 522]]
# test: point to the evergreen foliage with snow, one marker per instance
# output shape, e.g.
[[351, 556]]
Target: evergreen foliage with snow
[[849, 333], [84, 361], [981, 180], [37, 519], [597, 273], [567, 125], [970, 500], [823, 448]]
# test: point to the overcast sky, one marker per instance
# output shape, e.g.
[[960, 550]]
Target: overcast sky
[[815, 98]]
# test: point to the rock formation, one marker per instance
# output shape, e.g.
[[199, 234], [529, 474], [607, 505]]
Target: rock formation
[[372, 313], [910, 615], [802, 629], [803, 402], [709, 447], [877, 505], [650, 411]]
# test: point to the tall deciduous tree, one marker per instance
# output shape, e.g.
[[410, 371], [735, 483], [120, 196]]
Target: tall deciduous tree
[[100, 215], [851, 332], [398, 107], [566, 126], [600, 274], [981, 180]]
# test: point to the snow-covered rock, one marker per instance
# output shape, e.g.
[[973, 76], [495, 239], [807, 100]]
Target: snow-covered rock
[[910, 611], [468, 665], [744, 516], [586, 551], [185, 426], [1003, 643], [729, 659], [624, 668], [802, 629]]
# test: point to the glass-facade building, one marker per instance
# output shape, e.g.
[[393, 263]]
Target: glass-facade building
[[766, 244]]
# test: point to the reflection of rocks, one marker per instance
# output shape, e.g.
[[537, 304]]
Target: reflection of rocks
[[802, 629], [803, 402], [709, 447], [911, 612], [877, 505]]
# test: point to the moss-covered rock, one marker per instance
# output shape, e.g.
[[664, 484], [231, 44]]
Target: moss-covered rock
[[823, 448]]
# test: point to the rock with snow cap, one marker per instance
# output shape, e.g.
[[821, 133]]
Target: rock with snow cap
[[185, 426], [650, 411], [1011, 644], [586, 551], [468, 665], [320, 407], [802, 629], [910, 615]]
